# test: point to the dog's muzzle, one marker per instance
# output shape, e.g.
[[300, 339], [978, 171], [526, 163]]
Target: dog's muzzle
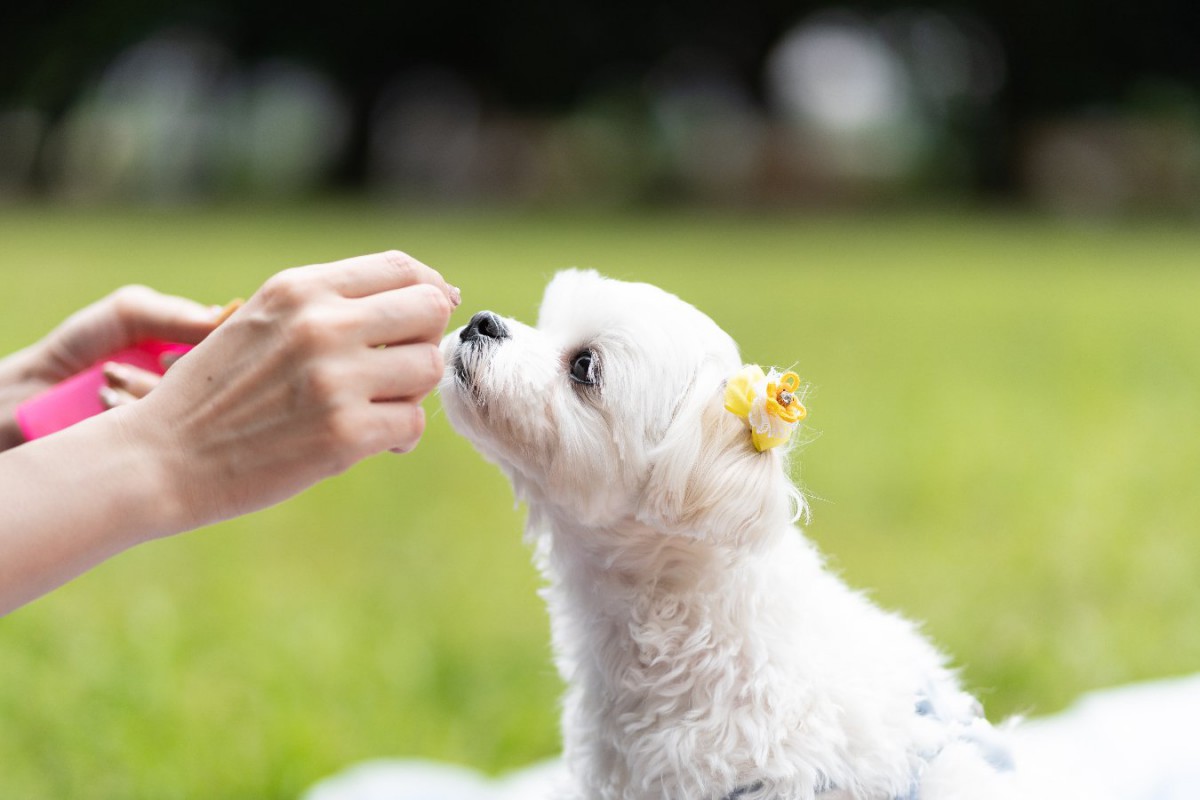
[[483, 326], [475, 341]]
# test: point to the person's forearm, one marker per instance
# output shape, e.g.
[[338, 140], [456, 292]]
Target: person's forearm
[[72, 500]]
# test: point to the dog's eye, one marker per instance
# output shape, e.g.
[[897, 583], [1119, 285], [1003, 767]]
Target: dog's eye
[[583, 368]]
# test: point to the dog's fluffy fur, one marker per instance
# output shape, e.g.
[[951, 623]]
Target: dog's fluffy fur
[[707, 652]]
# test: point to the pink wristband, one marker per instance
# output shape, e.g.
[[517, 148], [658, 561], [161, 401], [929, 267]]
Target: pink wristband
[[78, 397]]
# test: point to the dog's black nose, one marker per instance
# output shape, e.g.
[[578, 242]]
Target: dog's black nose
[[484, 325]]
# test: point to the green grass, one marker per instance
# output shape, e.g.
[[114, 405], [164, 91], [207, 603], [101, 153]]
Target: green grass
[[1008, 449]]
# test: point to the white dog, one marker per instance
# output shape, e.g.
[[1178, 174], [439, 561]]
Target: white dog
[[708, 654]]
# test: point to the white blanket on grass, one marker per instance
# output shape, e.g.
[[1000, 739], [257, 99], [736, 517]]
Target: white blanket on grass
[[1139, 742]]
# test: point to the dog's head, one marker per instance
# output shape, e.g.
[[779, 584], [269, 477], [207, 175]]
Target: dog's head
[[610, 412]]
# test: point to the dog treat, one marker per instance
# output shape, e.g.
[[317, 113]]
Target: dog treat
[[230, 307]]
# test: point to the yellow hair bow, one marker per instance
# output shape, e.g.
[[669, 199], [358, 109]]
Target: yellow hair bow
[[768, 402]]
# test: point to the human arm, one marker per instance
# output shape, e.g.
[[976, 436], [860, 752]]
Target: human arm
[[296, 387]]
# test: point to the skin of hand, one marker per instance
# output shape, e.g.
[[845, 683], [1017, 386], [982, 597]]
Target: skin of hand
[[124, 318], [125, 384], [323, 366]]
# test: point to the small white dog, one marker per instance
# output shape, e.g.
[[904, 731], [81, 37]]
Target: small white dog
[[708, 654]]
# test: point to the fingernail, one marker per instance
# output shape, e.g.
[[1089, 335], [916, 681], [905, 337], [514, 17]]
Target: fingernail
[[455, 296], [116, 375], [109, 397]]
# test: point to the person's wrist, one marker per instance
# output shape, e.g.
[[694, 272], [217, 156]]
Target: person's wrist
[[162, 474]]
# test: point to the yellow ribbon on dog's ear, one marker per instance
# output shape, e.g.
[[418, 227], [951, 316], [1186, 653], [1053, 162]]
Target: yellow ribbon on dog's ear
[[768, 402]]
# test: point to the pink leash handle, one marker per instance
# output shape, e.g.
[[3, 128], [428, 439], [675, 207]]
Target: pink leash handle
[[78, 397]]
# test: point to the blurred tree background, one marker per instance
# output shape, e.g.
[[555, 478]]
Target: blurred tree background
[[1077, 107]]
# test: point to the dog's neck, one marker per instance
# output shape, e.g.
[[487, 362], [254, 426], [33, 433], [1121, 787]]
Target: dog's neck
[[614, 571]]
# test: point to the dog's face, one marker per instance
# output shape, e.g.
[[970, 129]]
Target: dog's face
[[610, 410]]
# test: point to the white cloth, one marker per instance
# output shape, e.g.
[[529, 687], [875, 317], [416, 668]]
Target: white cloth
[[1139, 742], [388, 779]]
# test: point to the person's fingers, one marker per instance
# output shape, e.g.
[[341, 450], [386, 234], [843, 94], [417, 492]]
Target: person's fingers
[[129, 379], [413, 314], [398, 424], [406, 371], [111, 398], [146, 314], [379, 272]]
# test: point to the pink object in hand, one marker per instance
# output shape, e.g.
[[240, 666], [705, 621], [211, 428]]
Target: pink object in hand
[[78, 397]]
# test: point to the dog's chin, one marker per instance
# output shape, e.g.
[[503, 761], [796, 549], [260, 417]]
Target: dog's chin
[[465, 364], [459, 367]]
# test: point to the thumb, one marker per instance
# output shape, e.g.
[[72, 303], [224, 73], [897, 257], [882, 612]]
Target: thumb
[[151, 315], [124, 318]]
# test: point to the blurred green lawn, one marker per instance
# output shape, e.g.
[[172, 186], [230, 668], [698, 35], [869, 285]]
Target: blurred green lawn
[[1006, 445]]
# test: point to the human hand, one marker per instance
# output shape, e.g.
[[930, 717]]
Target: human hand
[[125, 383], [323, 366], [126, 317]]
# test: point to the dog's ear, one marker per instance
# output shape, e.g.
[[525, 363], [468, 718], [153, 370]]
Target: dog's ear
[[708, 481]]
